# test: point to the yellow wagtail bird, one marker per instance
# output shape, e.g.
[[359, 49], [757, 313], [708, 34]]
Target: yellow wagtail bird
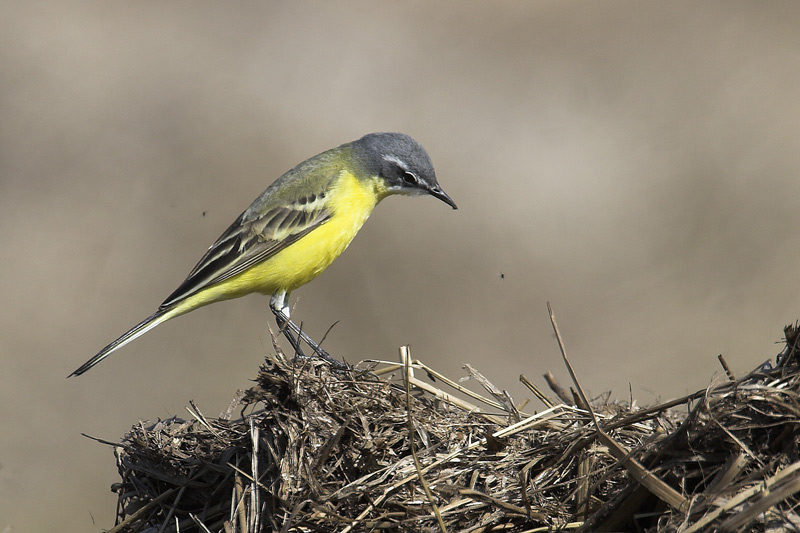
[[295, 229]]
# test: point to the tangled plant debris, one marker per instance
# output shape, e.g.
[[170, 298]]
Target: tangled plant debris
[[313, 449]]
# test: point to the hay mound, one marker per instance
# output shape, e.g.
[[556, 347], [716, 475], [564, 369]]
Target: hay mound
[[311, 449]]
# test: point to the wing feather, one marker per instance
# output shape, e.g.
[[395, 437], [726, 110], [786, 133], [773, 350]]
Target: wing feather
[[247, 242]]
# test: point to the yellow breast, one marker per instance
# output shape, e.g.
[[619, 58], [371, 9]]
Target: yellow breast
[[351, 201]]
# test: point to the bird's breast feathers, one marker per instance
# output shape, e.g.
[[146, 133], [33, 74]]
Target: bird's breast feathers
[[349, 202], [282, 248]]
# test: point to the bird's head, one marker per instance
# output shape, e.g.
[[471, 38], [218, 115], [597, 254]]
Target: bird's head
[[401, 163]]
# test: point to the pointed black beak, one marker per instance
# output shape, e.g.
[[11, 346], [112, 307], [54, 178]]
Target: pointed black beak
[[437, 192]]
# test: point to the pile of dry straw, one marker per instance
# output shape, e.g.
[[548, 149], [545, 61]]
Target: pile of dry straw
[[309, 448]]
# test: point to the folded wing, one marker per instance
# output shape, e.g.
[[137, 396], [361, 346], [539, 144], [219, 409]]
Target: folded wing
[[248, 242]]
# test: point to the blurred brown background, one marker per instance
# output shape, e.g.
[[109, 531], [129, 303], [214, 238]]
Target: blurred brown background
[[636, 164]]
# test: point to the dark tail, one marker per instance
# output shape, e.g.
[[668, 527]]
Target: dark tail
[[162, 315]]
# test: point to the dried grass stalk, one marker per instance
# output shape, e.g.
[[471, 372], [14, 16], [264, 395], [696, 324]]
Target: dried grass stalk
[[311, 449]]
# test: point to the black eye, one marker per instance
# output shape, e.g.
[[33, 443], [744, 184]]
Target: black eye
[[409, 178]]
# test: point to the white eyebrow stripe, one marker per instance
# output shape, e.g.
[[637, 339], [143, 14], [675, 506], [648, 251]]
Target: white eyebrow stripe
[[399, 162]]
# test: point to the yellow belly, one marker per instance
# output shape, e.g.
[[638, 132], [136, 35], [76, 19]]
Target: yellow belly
[[299, 263], [351, 201]]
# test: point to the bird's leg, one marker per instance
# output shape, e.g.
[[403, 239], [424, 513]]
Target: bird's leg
[[280, 308], [283, 326], [287, 326]]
